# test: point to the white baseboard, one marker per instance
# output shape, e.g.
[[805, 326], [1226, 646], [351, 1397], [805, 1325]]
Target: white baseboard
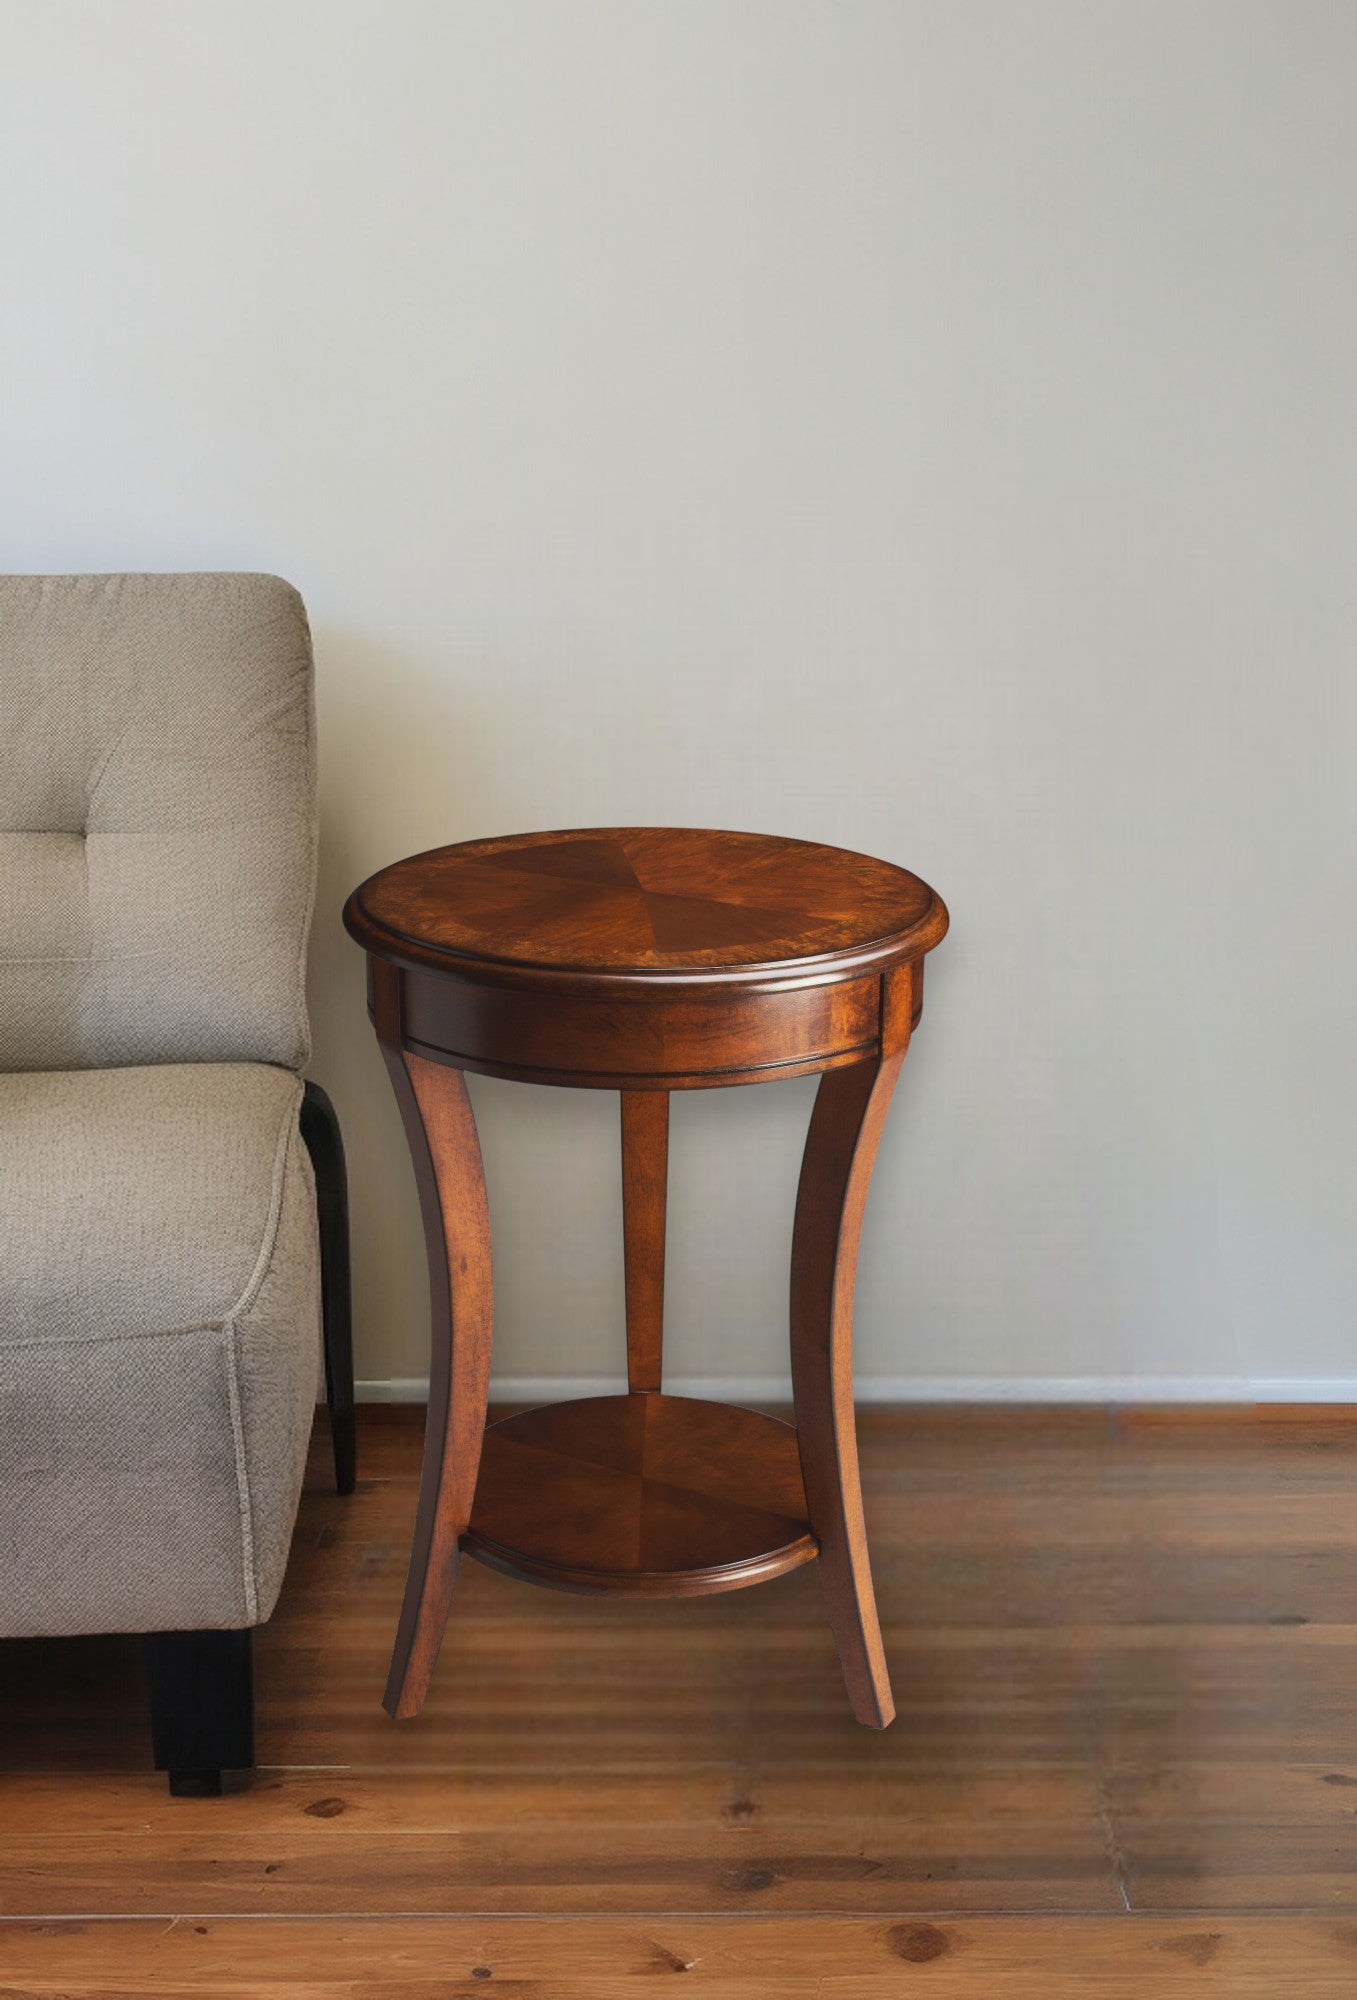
[[915, 1388]]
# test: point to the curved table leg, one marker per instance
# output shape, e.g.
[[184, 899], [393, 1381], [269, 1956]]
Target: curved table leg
[[441, 1129], [845, 1126]]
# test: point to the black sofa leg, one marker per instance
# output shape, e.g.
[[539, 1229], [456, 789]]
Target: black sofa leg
[[202, 1707], [320, 1131]]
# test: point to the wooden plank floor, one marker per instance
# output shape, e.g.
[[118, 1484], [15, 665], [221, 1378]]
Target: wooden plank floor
[[1125, 1659]]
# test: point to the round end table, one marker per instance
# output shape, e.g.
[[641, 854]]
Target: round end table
[[643, 960]]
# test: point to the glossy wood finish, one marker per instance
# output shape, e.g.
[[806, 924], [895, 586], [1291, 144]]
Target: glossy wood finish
[[646, 905], [661, 1041], [440, 1127], [1124, 1765], [845, 1127], [641, 1496], [646, 960], [645, 1191], [592, 958], [758, 1958]]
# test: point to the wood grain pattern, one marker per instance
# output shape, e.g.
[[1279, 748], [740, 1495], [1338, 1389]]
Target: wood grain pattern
[[649, 959], [440, 1128], [645, 1193], [845, 1128], [755, 1958], [647, 901], [1125, 1648], [643, 1494], [673, 1041]]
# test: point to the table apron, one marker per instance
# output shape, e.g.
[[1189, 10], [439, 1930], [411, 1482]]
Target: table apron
[[670, 1043]]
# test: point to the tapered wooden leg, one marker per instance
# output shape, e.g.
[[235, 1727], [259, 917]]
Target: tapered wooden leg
[[845, 1126], [645, 1185], [441, 1130]]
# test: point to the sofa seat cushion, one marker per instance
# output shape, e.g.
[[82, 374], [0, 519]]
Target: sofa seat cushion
[[159, 1324]]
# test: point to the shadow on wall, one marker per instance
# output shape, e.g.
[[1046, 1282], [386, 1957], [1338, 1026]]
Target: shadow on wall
[[399, 771]]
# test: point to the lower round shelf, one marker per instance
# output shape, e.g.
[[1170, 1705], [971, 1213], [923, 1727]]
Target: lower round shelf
[[647, 1495]]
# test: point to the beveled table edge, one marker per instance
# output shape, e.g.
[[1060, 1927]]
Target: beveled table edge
[[578, 1581], [487, 1541], [619, 982]]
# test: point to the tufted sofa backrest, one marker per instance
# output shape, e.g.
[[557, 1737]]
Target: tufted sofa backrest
[[157, 820]]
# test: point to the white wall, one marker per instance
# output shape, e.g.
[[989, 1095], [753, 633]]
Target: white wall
[[926, 427]]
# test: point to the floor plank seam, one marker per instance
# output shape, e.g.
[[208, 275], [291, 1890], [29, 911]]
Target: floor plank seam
[[1137, 1914], [1125, 1656], [896, 1914]]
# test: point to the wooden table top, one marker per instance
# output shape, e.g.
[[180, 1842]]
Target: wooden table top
[[646, 903]]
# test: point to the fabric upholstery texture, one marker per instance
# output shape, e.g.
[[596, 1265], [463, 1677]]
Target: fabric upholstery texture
[[159, 1261], [157, 820], [159, 1319]]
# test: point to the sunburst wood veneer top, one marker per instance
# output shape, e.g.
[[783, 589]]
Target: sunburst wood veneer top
[[647, 902]]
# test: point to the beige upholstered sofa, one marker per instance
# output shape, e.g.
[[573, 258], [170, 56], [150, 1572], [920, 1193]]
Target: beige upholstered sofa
[[160, 1261]]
